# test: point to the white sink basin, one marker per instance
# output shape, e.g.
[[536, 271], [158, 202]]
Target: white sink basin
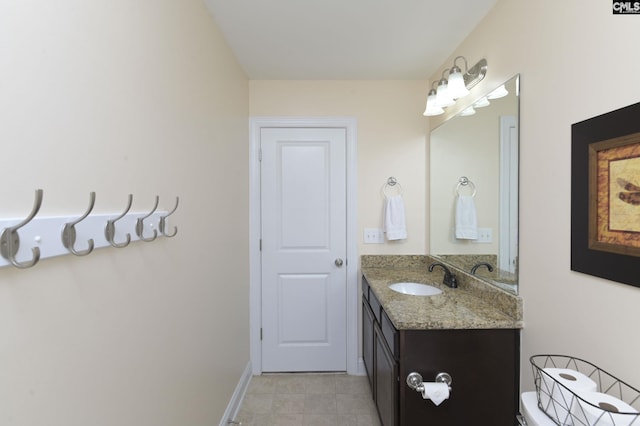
[[415, 289]]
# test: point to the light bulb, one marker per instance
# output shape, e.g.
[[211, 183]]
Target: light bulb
[[468, 111], [500, 92], [443, 99], [455, 85], [482, 102], [431, 108]]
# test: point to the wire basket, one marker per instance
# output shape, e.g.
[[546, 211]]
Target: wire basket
[[583, 407]]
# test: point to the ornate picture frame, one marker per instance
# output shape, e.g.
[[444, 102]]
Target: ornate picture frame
[[605, 196]]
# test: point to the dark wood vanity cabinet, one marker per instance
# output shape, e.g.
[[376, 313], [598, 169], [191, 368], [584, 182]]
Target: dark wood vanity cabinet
[[367, 340], [483, 363], [386, 379], [379, 360]]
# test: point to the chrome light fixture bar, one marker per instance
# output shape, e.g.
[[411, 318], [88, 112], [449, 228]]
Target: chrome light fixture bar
[[455, 87], [475, 74]]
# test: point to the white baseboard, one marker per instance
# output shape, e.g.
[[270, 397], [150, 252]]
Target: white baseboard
[[238, 395], [361, 370]]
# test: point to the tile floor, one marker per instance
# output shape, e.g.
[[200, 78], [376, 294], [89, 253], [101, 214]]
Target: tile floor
[[308, 400]]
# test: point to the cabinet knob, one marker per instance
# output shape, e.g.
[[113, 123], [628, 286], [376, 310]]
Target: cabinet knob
[[338, 262]]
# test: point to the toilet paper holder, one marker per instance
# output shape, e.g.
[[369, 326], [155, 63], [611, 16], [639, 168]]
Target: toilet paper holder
[[414, 380]]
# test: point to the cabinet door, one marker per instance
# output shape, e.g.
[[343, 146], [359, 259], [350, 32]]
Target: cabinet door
[[386, 380], [367, 342], [484, 366]]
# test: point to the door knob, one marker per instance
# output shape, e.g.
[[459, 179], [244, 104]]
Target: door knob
[[338, 262]]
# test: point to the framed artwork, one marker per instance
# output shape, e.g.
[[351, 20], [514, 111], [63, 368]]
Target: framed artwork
[[605, 196]]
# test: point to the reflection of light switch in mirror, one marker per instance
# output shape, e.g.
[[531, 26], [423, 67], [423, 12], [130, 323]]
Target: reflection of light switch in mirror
[[485, 235], [373, 236]]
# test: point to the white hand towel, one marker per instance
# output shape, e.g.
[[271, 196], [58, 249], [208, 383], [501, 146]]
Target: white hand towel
[[466, 219], [394, 220]]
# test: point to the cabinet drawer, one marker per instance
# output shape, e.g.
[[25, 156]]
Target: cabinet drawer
[[390, 335]]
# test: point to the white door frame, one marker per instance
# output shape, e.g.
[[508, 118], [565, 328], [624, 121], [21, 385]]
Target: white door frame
[[508, 242], [255, 284]]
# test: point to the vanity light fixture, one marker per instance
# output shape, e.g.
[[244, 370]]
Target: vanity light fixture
[[456, 87], [498, 93], [443, 98], [475, 74], [432, 108], [468, 111], [482, 102]]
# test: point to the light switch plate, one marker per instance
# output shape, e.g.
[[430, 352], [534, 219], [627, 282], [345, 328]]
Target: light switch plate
[[373, 236], [485, 235]]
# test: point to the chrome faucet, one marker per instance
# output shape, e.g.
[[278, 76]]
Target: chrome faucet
[[477, 265], [449, 279]]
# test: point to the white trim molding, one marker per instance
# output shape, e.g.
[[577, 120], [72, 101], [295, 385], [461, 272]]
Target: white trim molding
[[255, 312], [233, 408]]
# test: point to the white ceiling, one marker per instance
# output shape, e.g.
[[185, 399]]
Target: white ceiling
[[345, 39]]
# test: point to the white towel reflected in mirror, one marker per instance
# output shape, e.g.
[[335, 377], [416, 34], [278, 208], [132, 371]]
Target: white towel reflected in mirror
[[466, 218]]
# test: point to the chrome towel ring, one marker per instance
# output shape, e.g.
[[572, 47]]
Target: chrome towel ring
[[392, 182], [466, 183]]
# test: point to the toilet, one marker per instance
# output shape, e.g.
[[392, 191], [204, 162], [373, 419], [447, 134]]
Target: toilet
[[533, 415]]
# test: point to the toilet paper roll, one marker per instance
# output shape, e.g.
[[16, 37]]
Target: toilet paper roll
[[436, 392], [556, 390], [608, 410]]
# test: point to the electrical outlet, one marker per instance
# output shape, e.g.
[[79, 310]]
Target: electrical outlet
[[485, 235], [373, 236]]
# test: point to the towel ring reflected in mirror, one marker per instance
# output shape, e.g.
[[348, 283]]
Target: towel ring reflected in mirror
[[465, 182], [464, 146]]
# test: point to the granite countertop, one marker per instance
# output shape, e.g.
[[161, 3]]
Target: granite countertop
[[473, 305]]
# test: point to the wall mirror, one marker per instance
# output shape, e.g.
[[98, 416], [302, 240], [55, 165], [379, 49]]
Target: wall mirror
[[478, 153]]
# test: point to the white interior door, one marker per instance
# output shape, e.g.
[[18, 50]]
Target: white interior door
[[508, 193], [303, 233]]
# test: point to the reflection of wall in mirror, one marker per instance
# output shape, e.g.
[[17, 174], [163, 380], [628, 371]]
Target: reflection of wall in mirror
[[468, 146]]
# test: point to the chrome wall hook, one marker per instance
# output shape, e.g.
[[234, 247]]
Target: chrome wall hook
[[140, 224], [110, 228], [163, 222], [69, 231], [10, 240]]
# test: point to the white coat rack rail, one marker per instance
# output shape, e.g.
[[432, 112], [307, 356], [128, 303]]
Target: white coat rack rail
[[23, 242]]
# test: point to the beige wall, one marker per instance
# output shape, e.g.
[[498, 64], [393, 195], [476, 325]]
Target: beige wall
[[124, 97], [391, 142], [576, 61]]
